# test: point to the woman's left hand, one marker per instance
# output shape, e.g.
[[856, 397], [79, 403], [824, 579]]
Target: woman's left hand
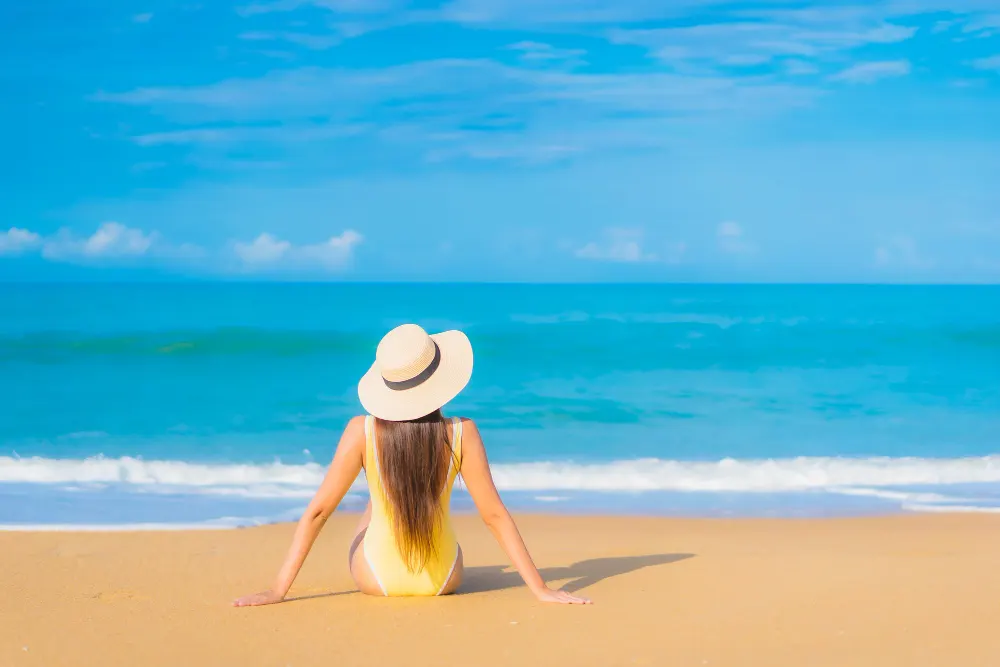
[[258, 599]]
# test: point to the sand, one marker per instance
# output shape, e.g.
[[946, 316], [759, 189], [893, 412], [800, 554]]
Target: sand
[[903, 590]]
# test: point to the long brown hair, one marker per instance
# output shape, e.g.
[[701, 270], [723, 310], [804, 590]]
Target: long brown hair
[[414, 458]]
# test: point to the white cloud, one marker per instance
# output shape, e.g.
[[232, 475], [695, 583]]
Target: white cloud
[[309, 41], [732, 240], [621, 245], [143, 18], [983, 26], [675, 252], [185, 251], [745, 59], [16, 241], [336, 251], [729, 230], [112, 239], [268, 252], [901, 252], [541, 52], [338, 6], [115, 241], [761, 36], [991, 63], [251, 134], [265, 249], [799, 67], [873, 71]]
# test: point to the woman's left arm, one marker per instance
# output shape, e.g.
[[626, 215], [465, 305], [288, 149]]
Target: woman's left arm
[[340, 476]]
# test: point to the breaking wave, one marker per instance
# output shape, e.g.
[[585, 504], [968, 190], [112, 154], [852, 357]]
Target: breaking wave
[[728, 475]]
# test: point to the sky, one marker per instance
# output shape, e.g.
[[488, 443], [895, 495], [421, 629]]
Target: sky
[[500, 140]]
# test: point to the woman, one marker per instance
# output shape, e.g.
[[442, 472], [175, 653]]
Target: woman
[[411, 455]]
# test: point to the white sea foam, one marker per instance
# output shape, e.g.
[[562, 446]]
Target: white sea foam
[[882, 479], [940, 509], [278, 480], [119, 527], [908, 497], [139, 472], [768, 476], [218, 523]]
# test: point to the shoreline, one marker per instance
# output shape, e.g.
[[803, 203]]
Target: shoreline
[[115, 491], [47, 507], [913, 589], [207, 527], [539, 510]]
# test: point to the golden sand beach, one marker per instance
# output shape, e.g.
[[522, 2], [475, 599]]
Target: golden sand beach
[[886, 591]]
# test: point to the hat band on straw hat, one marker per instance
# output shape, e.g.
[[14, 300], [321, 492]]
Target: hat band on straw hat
[[415, 373], [419, 378]]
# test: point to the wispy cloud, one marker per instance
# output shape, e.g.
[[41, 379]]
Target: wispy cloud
[[339, 6], [985, 25], [526, 13], [777, 35], [901, 252], [15, 241], [944, 25], [619, 245], [799, 67], [732, 239], [450, 108], [269, 253], [247, 134], [990, 63], [457, 86], [581, 15], [541, 53], [309, 41], [873, 71], [143, 18]]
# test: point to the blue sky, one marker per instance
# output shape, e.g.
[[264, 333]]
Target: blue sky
[[501, 140]]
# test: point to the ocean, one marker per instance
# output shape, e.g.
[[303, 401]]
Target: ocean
[[219, 404]]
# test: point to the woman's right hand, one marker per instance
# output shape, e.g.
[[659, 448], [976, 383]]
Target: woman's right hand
[[258, 599], [560, 597]]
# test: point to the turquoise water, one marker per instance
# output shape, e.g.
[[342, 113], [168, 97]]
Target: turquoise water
[[193, 403]]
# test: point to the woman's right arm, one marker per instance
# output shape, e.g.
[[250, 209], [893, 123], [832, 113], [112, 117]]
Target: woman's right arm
[[479, 481], [343, 470]]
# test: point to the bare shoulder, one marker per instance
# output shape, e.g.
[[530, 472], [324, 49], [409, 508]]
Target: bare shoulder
[[469, 426], [354, 433], [356, 423], [471, 439]]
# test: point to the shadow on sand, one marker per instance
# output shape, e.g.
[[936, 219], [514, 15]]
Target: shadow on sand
[[583, 574], [500, 577], [299, 598]]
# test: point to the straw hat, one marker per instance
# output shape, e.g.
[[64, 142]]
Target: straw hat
[[414, 373]]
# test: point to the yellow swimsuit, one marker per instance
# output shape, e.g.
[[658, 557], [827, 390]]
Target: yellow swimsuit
[[379, 544]]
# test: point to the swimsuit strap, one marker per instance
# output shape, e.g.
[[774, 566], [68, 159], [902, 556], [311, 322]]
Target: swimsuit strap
[[456, 445]]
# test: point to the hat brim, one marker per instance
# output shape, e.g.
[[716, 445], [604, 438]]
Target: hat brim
[[450, 378]]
